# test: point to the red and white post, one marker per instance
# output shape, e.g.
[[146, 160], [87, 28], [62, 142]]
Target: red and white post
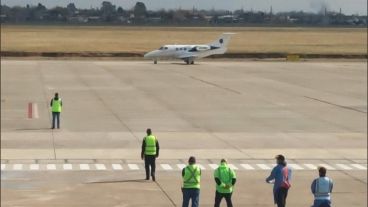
[[32, 110]]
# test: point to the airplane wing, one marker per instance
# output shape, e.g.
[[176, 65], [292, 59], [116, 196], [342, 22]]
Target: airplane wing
[[188, 56]]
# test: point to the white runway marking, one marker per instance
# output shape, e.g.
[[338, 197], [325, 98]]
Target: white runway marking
[[166, 167], [181, 166], [344, 167], [133, 166], [34, 167], [117, 167], [263, 167], [51, 167], [328, 167], [67, 166], [84, 167], [247, 166], [360, 167], [18, 167], [232, 166], [201, 166], [311, 166], [171, 167], [213, 166], [100, 166], [295, 167]]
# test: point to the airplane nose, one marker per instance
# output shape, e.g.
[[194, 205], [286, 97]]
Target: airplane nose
[[148, 55]]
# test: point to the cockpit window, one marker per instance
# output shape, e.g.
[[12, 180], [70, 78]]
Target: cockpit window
[[161, 48], [165, 48]]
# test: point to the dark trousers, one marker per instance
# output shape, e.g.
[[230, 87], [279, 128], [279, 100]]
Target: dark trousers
[[227, 196], [190, 194], [281, 195], [55, 118], [150, 161], [322, 203]]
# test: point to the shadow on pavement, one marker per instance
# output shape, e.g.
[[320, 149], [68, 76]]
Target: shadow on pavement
[[121, 181]]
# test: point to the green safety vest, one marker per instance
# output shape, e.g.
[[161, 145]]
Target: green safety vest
[[56, 105], [192, 177], [150, 145], [225, 175]]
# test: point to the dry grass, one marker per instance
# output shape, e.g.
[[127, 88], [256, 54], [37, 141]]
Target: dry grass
[[142, 39]]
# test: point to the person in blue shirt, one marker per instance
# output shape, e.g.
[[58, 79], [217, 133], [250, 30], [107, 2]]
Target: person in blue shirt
[[280, 177], [321, 188]]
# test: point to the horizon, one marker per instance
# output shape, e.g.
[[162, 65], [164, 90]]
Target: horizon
[[353, 7]]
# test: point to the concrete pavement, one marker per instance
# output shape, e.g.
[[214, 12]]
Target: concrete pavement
[[312, 112]]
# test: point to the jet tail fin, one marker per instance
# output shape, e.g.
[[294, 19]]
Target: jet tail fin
[[222, 41]]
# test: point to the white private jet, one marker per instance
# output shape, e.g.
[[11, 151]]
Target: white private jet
[[190, 52]]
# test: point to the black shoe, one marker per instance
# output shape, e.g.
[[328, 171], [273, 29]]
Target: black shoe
[[147, 178], [153, 178], [52, 127]]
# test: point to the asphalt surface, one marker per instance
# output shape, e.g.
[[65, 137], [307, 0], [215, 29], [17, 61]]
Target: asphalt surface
[[315, 113]]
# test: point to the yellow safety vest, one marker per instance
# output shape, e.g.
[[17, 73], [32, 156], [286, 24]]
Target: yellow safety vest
[[56, 105], [225, 175], [192, 177], [150, 145]]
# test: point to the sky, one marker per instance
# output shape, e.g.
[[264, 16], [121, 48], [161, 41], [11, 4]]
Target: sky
[[347, 6]]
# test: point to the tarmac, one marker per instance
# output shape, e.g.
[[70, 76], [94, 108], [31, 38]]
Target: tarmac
[[313, 112]]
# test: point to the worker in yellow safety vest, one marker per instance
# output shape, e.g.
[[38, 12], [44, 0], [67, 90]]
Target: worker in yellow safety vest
[[56, 104], [150, 151], [191, 183], [225, 179]]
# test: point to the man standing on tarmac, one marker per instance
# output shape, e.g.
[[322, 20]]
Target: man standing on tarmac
[[321, 189], [191, 183], [280, 176], [150, 151], [56, 105], [225, 180]]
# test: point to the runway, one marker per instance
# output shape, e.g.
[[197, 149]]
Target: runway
[[313, 112]]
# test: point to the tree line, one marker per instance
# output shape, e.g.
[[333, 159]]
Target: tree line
[[109, 13]]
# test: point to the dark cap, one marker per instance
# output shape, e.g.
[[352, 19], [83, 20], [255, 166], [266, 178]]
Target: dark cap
[[280, 157], [192, 160]]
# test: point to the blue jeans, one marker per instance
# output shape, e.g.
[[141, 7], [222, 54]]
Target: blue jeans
[[55, 118], [322, 203], [190, 193]]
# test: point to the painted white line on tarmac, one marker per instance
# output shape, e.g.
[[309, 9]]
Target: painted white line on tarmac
[[67, 166], [359, 166], [232, 166], [201, 166], [84, 167], [18, 167], [247, 166], [3, 166], [181, 166], [213, 166], [166, 167], [328, 167], [51, 167], [310, 166], [295, 167], [344, 167], [263, 167], [133, 166], [34, 167], [117, 167], [100, 166]]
